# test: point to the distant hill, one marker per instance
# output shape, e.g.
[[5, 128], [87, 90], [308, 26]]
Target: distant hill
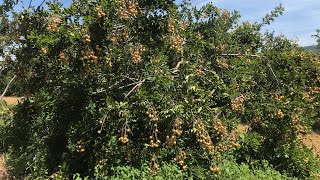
[[311, 48]]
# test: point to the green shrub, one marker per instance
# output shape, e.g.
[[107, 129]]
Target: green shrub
[[232, 170]]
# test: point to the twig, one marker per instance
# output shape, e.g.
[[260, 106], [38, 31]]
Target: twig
[[42, 3], [115, 28], [135, 87], [218, 114], [130, 78], [134, 83], [121, 81], [115, 84], [1, 69], [3, 65], [273, 73], [180, 62], [8, 85], [30, 3], [246, 55]]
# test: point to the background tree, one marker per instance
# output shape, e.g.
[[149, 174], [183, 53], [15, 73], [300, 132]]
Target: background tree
[[317, 36]]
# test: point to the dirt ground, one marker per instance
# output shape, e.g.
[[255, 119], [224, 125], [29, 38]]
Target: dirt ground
[[3, 170], [312, 140], [12, 100]]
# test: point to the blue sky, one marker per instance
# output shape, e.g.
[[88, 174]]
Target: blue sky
[[299, 21]]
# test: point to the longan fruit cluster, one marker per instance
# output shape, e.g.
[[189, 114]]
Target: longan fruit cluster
[[310, 93], [237, 103], [215, 170], [107, 58], [86, 39], [154, 141], [278, 98], [136, 54], [233, 142], [102, 124], [132, 6], [221, 147], [176, 43], [180, 158], [117, 37], [307, 96], [296, 126], [203, 137], [62, 56], [225, 15], [100, 12], [183, 25], [53, 24], [198, 36], [127, 7], [315, 90], [124, 137], [152, 114], [80, 146], [44, 51], [219, 129], [175, 132], [124, 35], [88, 54], [222, 63], [55, 175], [153, 165], [200, 70], [171, 27], [220, 48], [316, 175], [278, 113], [114, 38]]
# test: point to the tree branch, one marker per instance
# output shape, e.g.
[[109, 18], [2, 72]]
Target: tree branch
[[245, 55], [180, 62], [135, 87], [8, 85]]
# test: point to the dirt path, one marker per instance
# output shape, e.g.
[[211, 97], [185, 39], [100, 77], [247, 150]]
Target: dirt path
[[11, 100]]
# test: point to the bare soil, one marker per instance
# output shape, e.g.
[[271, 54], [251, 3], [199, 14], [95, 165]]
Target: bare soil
[[312, 141], [3, 169], [12, 100]]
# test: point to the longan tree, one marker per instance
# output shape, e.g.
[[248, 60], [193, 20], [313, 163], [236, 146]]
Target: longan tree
[[126, 82]]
